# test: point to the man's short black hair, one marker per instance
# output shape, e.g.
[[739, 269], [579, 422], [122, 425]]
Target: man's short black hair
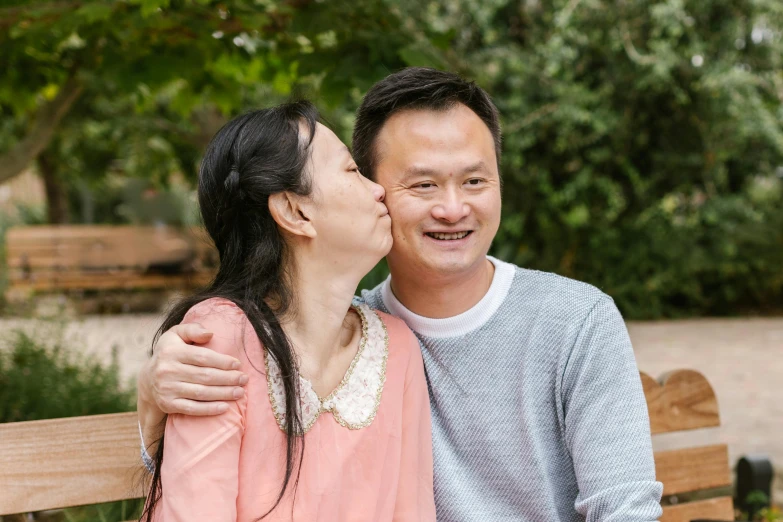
[[416, 88]]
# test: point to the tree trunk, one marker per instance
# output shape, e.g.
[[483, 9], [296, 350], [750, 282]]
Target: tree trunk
[[56, 193], [19, 157]]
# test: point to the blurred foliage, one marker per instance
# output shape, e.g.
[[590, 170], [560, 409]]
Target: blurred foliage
[[772, 514], [46, 381], [643, 147], [121, 511], [761, 511]]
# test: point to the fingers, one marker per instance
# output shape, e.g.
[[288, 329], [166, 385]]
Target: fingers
[[175, 395], [198, 409], [200, 393], [191, 333], [204, 357], [208, 376], [172, 345]]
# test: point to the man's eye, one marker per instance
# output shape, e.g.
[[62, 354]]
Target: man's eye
[[425, 185], [475, 181]]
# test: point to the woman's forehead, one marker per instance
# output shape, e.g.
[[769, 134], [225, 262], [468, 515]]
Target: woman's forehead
[[326, 143]]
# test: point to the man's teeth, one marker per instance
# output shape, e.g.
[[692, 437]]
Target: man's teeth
[[456, 235]]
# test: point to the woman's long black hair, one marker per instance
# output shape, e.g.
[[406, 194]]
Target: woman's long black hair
[[252, 157]]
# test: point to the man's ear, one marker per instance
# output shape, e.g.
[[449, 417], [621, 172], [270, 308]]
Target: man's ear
[[290, 214]]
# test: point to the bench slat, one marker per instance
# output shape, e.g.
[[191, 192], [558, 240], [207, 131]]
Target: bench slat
[[113, 281], [693, 469], [69, 462], [680, 400], [47, 258], [715, 508]]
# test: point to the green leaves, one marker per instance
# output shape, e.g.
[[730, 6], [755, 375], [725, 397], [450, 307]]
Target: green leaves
[[417, 55], [150, 7], [95, 12]]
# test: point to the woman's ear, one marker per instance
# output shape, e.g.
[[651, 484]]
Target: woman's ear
[[291, 214]]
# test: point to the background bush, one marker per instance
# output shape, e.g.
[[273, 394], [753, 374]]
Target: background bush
[[45, 380]]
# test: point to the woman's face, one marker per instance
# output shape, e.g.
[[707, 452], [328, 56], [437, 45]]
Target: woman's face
[[347, 210]]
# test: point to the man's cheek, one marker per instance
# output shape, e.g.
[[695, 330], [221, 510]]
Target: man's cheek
[[395, 229]]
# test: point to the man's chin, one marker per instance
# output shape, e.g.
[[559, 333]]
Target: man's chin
[[452, 264], [430, 261]]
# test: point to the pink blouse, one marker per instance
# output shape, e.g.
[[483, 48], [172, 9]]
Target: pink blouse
[[367, 451]]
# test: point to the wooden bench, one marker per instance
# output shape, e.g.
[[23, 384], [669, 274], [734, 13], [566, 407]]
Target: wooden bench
[[87, 460], [104, 257], [696, 481], [59, 463]]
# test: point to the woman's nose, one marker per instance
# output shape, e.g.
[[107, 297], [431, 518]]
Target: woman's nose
[[378, 191]]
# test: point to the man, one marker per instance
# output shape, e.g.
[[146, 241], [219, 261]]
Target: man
[[537, 407]]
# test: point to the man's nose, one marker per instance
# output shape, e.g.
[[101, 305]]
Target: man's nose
[[451, 208]]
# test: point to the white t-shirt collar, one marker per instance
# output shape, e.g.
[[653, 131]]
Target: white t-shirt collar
[[461, 324]]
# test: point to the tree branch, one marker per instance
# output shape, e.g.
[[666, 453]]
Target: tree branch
[[630, 48], [11, 15], [207, 121], [47, 119], [530, 118], [564, 16]]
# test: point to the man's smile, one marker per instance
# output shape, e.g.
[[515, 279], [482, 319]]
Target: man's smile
[[449, 236]]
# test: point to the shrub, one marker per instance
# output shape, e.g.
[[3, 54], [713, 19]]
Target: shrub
[[43, 382]]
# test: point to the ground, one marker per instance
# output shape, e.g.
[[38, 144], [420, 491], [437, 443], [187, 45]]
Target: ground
[[742, 358]]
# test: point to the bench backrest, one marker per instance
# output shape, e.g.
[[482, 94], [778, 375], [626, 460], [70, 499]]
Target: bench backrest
[[69, 462], [101, 256], [696, 481]]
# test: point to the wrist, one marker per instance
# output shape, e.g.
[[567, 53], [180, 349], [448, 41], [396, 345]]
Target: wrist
[[143, 389], [149, 412]]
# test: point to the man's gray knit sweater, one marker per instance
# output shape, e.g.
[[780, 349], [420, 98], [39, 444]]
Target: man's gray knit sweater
[[537, 407]]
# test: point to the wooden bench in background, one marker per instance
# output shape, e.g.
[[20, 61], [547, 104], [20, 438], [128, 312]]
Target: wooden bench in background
[[105, 257], [696, 481], [88, 460]]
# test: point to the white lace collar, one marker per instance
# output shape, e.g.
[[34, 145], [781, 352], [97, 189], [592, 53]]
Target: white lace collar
[[355, 401]]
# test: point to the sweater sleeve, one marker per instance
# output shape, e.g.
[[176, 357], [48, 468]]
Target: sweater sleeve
[[606, 424], [200, 469], [145, 457]]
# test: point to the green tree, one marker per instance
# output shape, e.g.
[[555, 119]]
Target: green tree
[[141, 85]]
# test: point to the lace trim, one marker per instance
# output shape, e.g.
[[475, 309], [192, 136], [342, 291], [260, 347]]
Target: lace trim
[[355, 401]]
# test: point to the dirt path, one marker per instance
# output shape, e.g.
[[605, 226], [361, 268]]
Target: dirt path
[[742, 358]]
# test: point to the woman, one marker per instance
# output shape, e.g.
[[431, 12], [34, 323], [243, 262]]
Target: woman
[[335, 423]]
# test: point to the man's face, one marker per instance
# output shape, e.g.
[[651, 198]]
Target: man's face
[[440, 173]]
